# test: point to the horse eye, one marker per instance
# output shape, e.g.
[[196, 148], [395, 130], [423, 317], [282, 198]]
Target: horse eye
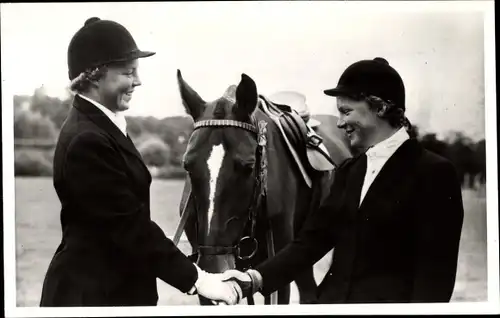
[[245, 167]]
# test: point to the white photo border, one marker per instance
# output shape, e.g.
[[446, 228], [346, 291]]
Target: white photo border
[[488, 307]]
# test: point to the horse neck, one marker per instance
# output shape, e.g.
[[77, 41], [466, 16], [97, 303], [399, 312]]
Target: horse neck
[[284, 180]]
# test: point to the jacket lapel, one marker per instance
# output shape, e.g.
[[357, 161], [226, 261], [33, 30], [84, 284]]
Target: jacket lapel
[[354, 183], [398, 167], [101, 120]]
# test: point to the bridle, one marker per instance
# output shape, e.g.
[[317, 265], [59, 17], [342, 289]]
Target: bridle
[[249, 242]]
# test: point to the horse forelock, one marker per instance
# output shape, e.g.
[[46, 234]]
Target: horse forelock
[[230, 94], [220, 109]]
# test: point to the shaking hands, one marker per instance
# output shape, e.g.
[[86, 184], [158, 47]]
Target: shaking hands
[[228, 288], [213, 287], [249, 282]]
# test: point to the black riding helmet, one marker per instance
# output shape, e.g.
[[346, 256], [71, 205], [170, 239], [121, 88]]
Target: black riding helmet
[[100, 42], [371, 77]]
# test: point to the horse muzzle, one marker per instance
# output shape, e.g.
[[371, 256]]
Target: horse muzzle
[[216, 263]]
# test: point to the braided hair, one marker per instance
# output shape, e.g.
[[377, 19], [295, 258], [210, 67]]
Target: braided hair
[[387, 109], [82, 82]]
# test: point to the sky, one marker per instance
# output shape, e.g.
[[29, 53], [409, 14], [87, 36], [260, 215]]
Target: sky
[[304, 46]]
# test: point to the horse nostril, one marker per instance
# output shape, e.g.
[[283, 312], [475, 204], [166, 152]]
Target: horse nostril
[[217, 263]]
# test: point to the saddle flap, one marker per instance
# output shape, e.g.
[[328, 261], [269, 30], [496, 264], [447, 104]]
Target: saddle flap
[[305, 145], [295, 128], [319, 158], [274, 114], [302, 137]]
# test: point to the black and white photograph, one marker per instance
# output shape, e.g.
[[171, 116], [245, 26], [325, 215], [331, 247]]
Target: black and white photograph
[[251, 157]]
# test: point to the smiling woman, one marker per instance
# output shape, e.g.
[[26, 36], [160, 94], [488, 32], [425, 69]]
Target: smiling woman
[[111, 252], [116, 84]]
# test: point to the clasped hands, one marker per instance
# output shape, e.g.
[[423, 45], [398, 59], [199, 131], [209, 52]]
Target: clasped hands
[[227, 288]]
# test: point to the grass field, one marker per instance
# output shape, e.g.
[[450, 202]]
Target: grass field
[[38, 234]]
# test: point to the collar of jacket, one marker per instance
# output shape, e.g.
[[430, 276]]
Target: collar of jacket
[[385, 149], [397, 168], [105, 123], [116, 117]]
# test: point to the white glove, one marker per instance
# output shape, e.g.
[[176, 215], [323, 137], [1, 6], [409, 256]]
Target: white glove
[[212, 287]]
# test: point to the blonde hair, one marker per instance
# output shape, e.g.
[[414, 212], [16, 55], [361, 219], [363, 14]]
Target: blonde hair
[[387, 109], [82, 82], [395, 115]]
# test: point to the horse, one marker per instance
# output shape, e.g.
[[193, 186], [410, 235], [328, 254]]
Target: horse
[[244, 196]]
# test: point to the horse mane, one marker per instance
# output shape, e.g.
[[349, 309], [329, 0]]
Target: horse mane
[[284, 179]]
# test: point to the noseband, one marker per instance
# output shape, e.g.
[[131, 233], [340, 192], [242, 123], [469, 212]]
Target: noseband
[[260, 174]]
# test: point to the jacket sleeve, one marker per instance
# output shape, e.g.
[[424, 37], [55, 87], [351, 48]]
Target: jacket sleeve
[[439, 218], [99, 186], [316, 238]]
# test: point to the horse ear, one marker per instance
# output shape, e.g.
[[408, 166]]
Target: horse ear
[[192, 102], [246, 96]]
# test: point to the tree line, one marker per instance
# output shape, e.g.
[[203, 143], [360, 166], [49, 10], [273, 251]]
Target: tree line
[[162, 142]]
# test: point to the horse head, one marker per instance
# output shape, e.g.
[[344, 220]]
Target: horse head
[[235, 154], [220, 159]]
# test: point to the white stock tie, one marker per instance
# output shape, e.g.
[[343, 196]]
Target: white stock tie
[[121, 122]]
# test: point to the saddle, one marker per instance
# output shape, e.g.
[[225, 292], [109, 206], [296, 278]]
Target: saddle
[[305, 145]]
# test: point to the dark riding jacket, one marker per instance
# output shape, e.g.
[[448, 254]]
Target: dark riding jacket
[[111, 251], [400, 245]]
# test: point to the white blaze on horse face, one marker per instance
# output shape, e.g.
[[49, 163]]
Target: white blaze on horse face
[[214, 164]]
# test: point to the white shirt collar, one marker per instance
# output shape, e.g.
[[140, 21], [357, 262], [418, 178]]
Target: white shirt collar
[[388, 147], [378, 155], [116, 118]]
